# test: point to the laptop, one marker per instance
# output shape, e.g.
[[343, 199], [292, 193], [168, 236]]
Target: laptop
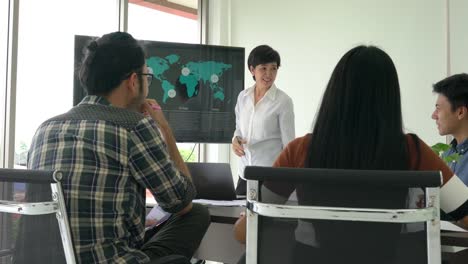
[[213, 181]]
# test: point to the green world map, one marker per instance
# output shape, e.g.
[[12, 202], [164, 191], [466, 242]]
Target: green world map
[[190, 75]]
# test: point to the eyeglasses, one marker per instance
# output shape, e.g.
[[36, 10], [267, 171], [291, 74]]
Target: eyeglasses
[[149, 77]]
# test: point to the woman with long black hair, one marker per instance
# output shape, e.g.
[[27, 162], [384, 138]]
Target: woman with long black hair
[[359, 126]]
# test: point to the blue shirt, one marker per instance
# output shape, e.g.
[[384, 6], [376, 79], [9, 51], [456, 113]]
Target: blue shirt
[[460, 167]]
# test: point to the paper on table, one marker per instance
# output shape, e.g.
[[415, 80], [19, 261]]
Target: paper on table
[[150, 201], [232, 203], [447, 226], [157, 215]]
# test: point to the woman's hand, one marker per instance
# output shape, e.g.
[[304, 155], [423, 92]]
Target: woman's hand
[[237, 147], [240, 228], [463, 223]]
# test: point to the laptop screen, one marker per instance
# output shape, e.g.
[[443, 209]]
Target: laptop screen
[[213, 181]]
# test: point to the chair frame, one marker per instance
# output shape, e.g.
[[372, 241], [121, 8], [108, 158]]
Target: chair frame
[[55, 206], [430, 214]]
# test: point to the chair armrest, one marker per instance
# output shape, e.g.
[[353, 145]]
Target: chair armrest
[[28, 208], [6, 252], [344, 213]]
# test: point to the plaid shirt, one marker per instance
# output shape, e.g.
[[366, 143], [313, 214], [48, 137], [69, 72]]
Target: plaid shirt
[[108, 156]]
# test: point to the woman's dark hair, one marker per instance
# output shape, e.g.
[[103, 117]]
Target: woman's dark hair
[[455, 88], [359, 124], [261, 55], [109, 60]]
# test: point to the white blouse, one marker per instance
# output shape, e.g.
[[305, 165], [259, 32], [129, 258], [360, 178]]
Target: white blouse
[[267, 127]]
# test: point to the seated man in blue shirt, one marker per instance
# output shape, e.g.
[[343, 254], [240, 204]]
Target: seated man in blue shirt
[[451, 115], [111, 147]]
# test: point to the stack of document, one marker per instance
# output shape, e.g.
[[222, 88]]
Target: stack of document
[[233, 203], [156, 216], [448, 226]]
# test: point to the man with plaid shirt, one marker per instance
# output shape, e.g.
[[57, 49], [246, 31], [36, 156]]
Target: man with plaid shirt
[[110, 148]]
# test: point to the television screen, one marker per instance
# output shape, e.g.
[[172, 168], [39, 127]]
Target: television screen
[[196, 85]]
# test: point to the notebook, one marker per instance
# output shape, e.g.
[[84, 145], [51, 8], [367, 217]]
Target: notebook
[[213, 181]]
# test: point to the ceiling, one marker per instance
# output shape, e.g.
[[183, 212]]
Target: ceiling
[[185, 8], [188, 3]]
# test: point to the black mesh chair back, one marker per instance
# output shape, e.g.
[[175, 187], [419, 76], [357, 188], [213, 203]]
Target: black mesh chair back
[[34, 223], [343, 216]]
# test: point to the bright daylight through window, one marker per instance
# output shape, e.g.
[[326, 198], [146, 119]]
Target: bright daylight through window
[[45, 59], [3, 68], [46, 52]]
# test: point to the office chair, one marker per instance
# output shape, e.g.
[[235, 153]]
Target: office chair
[[34, 198], [37, 238], [344, 216]]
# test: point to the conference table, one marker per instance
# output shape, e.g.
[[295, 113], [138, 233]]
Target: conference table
[[458, 241], [219, 244]]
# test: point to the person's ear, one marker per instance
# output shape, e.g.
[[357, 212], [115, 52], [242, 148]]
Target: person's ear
[[462, 112], [251, 69], [133, 83]]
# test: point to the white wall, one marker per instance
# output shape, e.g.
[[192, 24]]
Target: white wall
[[311, 36], [458, 36]]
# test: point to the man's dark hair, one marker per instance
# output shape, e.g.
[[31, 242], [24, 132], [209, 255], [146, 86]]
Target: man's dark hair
[[261, 55], [455, 88], [359, 124], [109, 60]]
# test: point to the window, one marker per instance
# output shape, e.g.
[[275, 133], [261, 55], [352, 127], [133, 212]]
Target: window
[[167, 21], [3, 72], [5, 189], [45, 58], [164, 22]]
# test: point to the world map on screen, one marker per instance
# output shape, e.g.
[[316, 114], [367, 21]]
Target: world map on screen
[[188, 75]]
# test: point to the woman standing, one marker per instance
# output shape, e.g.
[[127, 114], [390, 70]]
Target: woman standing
[[264, 115]]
